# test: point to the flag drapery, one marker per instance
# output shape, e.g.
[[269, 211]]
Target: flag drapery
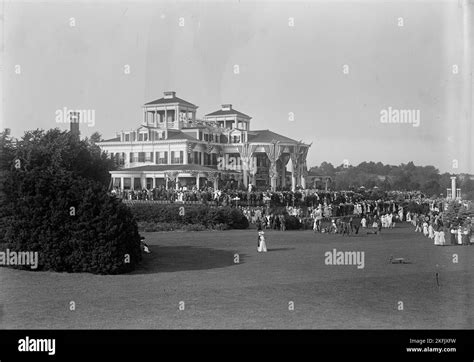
[[209, 147], [190, 147]]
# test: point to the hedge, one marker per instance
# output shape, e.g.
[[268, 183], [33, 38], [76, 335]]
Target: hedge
[[182, 216], [99, 235]]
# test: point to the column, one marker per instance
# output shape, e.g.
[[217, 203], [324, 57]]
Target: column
[[176, 182], [273, 180], [121, 183], [144, 115], [197, 181], [453, 187], [166, 182], [303, 182], [176, 116], [216, 183], [246, 180], [283, 175], [293, 176], [154, 181], [185, 155], [143, 181], [202, 158], [166, 123]]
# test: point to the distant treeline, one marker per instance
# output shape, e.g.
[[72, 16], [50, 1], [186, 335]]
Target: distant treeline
[[405, 177]]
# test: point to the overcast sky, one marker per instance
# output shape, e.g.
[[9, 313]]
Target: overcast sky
[[282, 69]]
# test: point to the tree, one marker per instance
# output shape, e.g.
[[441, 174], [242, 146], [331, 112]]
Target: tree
[[56, 203]]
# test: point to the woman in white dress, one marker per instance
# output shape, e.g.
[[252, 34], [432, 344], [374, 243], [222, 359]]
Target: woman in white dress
[[262, 247], [431, 231], [459, 234], [442, 239], [425, 228], [436, 235]]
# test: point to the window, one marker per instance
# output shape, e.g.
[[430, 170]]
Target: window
[[127, 137], [161, 158], [127, 183], [141, 156], [134, 136], [200, 136], [145, 137], [206, 137], [137, 183], [140, 137], [181, 157], [131, 157]]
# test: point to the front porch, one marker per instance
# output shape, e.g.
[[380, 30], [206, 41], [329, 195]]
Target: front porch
[[164, 176]]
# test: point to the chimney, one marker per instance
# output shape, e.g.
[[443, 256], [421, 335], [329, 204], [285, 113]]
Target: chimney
[[170, 94], [74, 123], [227, 107]]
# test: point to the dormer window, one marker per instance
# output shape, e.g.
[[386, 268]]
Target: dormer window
[[169, 95]]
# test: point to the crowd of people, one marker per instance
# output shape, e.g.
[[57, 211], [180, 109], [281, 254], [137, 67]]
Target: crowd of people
[[337, 212], [443, 233], [333, 203]]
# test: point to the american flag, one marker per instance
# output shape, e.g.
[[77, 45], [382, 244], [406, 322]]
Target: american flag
[[209, 148]]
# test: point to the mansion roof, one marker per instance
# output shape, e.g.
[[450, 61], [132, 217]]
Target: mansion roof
[[259, 136], [227, 113], [173, 99], [267, 136]]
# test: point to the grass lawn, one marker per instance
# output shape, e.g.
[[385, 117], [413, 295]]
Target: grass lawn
[[198, 268]]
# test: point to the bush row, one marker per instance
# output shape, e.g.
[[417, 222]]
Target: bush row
[[181, 217]]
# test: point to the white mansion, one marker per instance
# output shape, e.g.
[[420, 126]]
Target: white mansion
[[172, 145]]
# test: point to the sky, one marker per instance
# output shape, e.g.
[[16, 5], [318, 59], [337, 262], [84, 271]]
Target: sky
[[335, 66]]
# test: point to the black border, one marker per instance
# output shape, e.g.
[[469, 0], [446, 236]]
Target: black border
[[140, 345]]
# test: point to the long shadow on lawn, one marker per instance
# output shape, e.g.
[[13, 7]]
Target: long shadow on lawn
[[182, 258], [280, 249]]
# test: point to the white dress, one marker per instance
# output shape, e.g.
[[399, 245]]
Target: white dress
[[459, 237], [425, 228], [436, 238], [430, 232], [442, 240], [262, 247]]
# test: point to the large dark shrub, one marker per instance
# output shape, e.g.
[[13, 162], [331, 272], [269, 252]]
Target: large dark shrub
[[180, 214], [102, 236], [56, 203]]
